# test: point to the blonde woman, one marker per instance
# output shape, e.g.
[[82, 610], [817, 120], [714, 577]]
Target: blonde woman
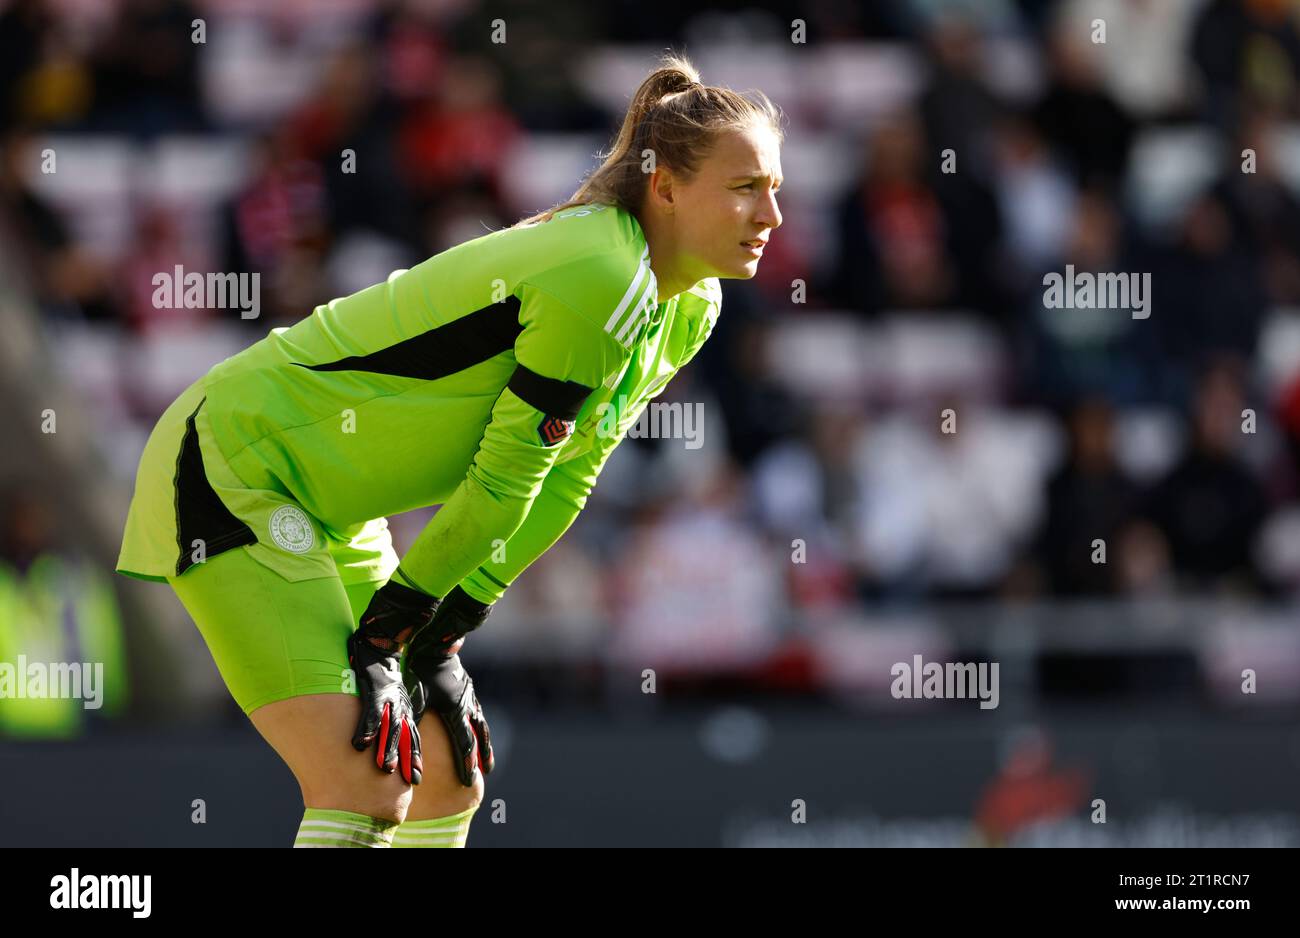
[[479, 380]]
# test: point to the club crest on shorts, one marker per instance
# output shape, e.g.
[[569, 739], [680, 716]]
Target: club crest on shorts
[[292, 530], [555, 430]]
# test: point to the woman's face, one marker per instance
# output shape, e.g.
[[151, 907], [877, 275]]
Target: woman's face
[[729, 207]]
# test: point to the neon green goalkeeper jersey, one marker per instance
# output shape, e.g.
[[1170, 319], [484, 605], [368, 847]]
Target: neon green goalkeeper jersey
[[493, 379]]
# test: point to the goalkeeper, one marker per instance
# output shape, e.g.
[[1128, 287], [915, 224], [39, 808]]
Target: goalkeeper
[[480, 380]]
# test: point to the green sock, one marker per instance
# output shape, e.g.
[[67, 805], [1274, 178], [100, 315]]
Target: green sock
[[327, 827], [448, 831]]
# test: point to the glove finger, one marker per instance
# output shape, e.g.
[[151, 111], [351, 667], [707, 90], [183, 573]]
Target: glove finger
[[390, 741], [367, 724], [419, 701], [486, 759], [381, 748], [474, 759], [464, 746], [412, 751], [408, 752]]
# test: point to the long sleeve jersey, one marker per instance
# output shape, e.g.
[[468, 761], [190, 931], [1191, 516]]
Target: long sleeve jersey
[[493, 379]]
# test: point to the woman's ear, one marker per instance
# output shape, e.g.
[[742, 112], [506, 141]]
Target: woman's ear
[[662, 192]]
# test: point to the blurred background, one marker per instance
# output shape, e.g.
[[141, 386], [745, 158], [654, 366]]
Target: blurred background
[[826, 527]]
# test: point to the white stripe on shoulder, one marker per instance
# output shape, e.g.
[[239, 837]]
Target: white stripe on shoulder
[[642, 315], [641, 272]]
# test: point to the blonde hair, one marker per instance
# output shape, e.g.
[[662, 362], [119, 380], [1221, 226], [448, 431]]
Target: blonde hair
[[678, 119]]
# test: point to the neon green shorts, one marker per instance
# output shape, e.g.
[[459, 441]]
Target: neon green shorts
[[274, 591], [272, 638]]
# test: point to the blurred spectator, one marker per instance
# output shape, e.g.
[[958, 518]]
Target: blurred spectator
[[57, 612], [892, 231], [957, 106], [64, 275], [1143, 61], [1208, 296], [51, 85], [805, 491], [1035, 196], [1070, 351], [276, 226], [1263, 209], [460, 135], [146, 71], [959, 113], [759, 409], [537, 58], [1089, 498], [347, 127], [158, 249], [28, 527], [1078, 115], [24, 28], [1211, 505], [411, 49], [1248, 53]]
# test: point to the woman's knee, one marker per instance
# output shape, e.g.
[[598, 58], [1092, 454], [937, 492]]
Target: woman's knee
[[387, 797], [444, 797]]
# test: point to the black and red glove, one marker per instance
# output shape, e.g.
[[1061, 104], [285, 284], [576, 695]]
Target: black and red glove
[[439, 682], [388, 718]]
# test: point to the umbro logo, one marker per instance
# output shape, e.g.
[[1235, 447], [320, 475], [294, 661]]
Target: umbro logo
[[555, 430]]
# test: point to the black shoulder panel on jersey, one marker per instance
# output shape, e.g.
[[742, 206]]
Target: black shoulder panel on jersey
[[443, 351], [551, 396]]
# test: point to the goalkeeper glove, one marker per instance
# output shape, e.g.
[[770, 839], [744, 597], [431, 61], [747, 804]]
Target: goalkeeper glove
[[439, 683], [394, 615]]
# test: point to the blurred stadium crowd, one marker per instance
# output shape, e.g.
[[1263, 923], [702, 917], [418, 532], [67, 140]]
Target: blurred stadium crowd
[[893, 292]]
